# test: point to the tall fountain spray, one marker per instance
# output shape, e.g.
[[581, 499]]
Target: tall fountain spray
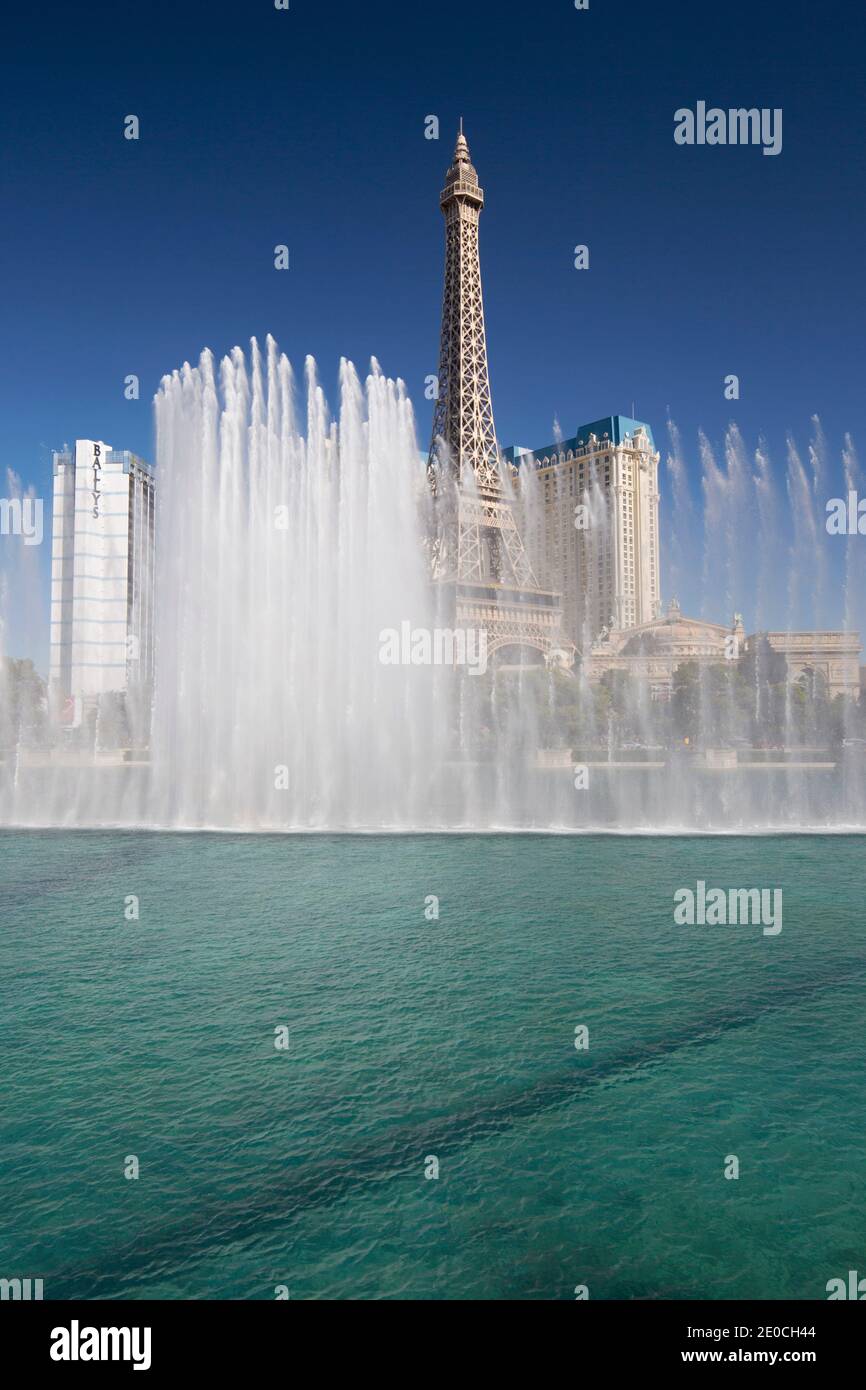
[[285, 549], [283, 556], [292, 553]]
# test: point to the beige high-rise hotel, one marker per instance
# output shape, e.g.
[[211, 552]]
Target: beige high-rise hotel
[[589, 511]]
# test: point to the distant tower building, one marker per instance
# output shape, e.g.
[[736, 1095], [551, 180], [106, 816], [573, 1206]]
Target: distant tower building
[[101, 572], [590, 513], [476, 546]]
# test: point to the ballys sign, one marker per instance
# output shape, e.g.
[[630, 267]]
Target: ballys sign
[[97, 469]]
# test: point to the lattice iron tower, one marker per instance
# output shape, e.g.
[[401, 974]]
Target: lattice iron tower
[[476, 543]]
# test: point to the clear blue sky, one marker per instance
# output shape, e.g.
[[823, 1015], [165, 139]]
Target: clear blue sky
[[261, 126]]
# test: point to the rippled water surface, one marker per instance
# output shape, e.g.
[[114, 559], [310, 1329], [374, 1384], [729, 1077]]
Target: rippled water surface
[[412, 1038]]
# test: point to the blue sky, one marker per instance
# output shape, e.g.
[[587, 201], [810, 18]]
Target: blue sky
[[306, 127]]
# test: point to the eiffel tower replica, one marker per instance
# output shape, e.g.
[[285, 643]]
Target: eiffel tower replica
[[478, 557]]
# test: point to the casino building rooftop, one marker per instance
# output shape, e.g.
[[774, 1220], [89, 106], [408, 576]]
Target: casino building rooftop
[[610, 429]]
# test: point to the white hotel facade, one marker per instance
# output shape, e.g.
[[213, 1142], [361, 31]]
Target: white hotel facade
[[606, 562], [102, 572]]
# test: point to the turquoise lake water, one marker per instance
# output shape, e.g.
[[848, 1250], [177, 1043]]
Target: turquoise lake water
[[412, 1038]]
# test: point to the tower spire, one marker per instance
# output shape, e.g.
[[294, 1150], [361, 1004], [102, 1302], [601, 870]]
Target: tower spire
[[476, 540]]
